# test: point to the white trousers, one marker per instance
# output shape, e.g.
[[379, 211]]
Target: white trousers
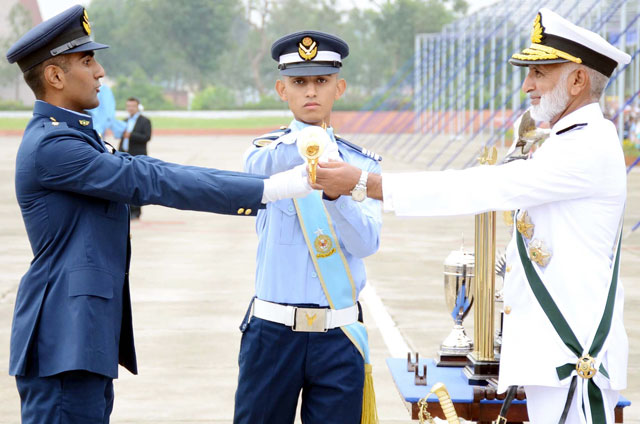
[[545, 404]]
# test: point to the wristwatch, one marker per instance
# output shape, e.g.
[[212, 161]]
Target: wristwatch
[[359, 192]]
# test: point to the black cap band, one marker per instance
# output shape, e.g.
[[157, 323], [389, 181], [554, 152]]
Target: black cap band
[[46, 52], [70, 45], [591, 58]]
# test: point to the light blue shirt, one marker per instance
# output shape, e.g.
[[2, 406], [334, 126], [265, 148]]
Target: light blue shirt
[[131, 122], [285, 272]]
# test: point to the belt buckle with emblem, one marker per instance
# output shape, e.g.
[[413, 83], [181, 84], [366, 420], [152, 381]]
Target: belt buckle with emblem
[[310, 320]]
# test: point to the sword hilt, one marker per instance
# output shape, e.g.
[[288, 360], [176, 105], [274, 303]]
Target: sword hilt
[[448, 409]]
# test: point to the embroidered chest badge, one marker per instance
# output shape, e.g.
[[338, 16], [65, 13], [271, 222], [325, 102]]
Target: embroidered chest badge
[[524, 225], [323, 244], [538, 253]]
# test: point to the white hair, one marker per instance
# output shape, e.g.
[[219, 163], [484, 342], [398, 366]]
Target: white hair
[[598, 83]]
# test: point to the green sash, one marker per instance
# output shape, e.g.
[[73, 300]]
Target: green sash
[[330, 264], [560, 324]]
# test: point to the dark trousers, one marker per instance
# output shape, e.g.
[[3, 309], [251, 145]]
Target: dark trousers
[[277, 363], [74, 397]]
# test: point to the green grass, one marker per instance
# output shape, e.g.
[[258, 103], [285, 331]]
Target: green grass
[[13, 123], [181, 123]]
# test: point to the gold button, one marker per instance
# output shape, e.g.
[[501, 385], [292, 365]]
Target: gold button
[[507, 310], [247, 212], [240, 211], [509, 269]]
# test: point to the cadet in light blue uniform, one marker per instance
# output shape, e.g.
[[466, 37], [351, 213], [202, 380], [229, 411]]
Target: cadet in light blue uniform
[[278, 358]]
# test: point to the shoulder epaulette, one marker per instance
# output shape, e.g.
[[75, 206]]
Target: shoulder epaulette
[[268, 138], [361, 150], [55, 125], [571, 128]]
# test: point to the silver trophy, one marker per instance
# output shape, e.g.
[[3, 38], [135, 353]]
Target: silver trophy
[[458, 291]]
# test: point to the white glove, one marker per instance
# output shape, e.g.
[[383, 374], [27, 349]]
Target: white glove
[[293, 183], [330, 152]]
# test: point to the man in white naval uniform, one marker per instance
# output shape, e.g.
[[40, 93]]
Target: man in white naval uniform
[[570, 198]]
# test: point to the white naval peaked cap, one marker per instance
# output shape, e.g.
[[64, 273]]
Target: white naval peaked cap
[[556, 40]]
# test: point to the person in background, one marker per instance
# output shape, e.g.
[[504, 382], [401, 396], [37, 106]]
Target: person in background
[[135, 138]]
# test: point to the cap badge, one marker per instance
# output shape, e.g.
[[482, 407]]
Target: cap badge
[[323, 245], [84, 123], [538, 30], [85, 23], [307, 48]]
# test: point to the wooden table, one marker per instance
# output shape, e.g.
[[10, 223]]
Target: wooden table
[[469, 405]]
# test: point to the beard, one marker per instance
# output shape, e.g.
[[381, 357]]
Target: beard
[[553, 103]]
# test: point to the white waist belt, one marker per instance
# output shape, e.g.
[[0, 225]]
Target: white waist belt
[[305, 319]]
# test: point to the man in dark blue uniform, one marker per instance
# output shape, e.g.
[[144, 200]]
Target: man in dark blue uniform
[[72, 320]]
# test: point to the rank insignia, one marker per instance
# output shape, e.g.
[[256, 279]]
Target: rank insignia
[[307, 48], [323, 244], [538, 253], [85, 23], [261, 142], [524, 225], [538, 30], [84, 122]]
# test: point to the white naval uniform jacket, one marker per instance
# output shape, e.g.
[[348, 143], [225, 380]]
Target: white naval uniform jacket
[[574, 189]]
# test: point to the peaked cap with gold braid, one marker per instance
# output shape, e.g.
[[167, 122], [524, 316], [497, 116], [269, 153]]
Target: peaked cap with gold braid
[[556, 40]]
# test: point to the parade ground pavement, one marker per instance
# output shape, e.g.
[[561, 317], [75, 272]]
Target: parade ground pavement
[[192, 277]]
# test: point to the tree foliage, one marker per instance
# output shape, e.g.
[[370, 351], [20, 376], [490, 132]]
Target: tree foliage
[[226, 43], [19, 23]]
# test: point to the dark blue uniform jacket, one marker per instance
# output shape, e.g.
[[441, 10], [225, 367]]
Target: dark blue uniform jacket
[[73, 308]]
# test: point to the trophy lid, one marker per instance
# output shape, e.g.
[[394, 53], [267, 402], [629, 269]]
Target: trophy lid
[[457, 260]]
